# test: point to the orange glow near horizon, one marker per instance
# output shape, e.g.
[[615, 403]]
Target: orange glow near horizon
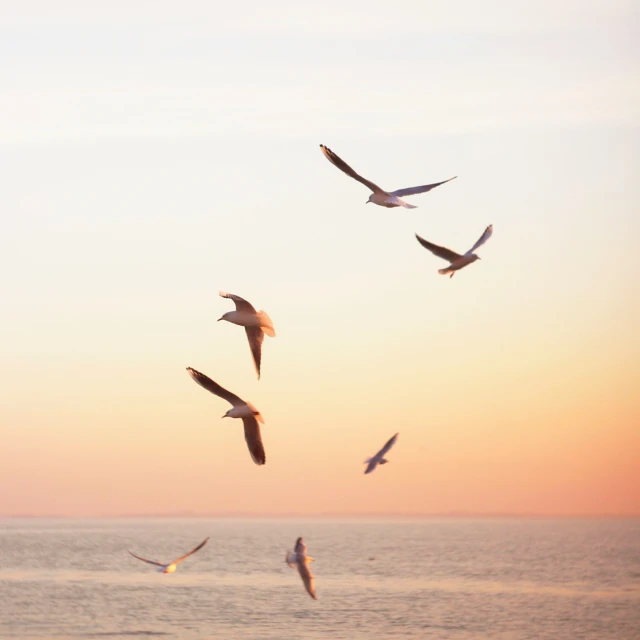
[[140, 179]]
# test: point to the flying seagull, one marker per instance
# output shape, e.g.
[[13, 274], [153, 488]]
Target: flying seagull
[[379, 457], [457, 261], [241, 409], [255, 323], [172, 566], [300, 559], [380, 196]]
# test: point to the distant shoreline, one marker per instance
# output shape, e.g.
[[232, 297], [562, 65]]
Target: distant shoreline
[[327, 516]]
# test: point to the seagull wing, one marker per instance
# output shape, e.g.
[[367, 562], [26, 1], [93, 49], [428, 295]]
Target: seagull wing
[[158, 564], [307, 578], [241, 303], [254, 441], [441, 252], [186, 555], [373, 463], [291, 559], [255, 336], [343, 166], [483, 238], [387, 446], [411, 191], [214, 388]]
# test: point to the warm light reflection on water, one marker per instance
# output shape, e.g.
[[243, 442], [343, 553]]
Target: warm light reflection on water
[[465, 579]]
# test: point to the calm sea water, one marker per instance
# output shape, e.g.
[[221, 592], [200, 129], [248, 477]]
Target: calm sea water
[[434, 578]]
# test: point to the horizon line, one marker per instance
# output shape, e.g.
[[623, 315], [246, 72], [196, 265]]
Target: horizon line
[[360, 515]]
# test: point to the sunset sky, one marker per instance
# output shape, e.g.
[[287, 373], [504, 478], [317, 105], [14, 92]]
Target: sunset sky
[[154, 153]]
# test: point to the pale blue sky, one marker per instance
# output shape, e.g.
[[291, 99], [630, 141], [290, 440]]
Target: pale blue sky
[[154, 153]]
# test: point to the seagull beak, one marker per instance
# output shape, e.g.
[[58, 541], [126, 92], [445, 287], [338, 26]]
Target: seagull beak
[[220, 319], [225, 416]]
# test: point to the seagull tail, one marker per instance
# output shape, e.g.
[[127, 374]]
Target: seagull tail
[[266, 325], [404, 204]]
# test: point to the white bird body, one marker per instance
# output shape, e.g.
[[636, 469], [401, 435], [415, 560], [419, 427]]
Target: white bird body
[[246, 410], [379, 196], [462, 262], [255, 323], [172, 566], [242, 318], [300, 560], [239, 409], [379, 458], [389, 201]]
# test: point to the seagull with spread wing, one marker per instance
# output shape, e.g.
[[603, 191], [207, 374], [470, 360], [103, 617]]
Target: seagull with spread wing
[[301, 560], [380, 196], [240, 409], [255, 323], [379, 458], [457, 261], [172, 566]]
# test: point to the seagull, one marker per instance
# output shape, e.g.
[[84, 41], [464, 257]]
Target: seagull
[[241, 409], [457, 261], [172, 566], [300, 559], [379, 457], [380, 196], [255, 323]]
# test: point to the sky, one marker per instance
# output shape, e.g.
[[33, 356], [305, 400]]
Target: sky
[[153, 154]]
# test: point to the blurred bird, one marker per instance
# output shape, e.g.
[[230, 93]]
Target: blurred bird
[[300, 559], [172, 566], [379, 457]]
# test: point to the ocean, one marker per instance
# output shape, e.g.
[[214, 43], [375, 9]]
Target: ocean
[[435, 578]]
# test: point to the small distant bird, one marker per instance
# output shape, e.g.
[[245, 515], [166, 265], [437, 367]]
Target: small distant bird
[[379, 457], [457, 261], [255, 323], [172, 566], [380, 196], [241, 409], [300, 559]]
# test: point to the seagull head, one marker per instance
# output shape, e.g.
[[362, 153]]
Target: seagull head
[[370, 198], [226, 415], [224, 316], [475, 257]]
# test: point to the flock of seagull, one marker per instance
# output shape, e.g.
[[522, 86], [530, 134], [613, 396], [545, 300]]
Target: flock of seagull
[[257, 323]]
